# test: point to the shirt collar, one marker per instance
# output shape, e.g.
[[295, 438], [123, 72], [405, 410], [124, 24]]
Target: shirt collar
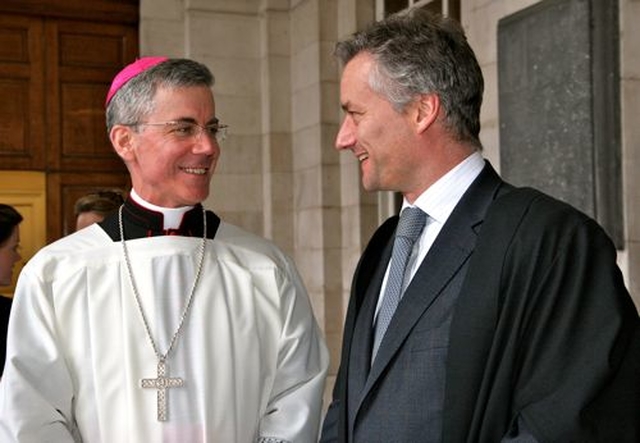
[[171, 217], [441, 198], [140, 221]]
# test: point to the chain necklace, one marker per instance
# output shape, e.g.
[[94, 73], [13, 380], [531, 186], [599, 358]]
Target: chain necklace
[[162, 382]]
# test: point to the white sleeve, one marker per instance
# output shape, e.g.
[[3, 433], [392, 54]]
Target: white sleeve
[[294, 410], [36, 390]]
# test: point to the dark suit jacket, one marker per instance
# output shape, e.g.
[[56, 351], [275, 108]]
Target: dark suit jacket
[[480, 316]]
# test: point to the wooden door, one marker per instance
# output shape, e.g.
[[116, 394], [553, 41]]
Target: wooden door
[[57, 58]]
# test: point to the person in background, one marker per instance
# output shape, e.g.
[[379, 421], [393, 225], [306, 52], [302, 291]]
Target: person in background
[[163, 323], [10, 220], [95, 206], [484, 313]]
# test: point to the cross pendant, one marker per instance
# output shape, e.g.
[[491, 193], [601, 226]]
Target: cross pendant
[[162, 383]]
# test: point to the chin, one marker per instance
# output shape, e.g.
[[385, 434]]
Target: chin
[[197, 198], [370, 187]]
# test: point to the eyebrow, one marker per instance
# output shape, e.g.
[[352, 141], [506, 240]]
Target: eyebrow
[[212, 121], [351, 108]]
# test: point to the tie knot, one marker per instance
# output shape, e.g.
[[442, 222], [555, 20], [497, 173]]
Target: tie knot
[[412, 220]]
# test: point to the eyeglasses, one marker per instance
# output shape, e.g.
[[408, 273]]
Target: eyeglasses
[[188, 130]]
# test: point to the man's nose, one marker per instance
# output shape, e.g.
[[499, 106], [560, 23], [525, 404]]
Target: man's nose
[[346, 135], [206, 143]]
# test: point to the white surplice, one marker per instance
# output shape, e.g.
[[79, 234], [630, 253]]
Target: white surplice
[[250, 353]]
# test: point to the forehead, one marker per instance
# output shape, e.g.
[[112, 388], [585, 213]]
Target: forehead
[[355, 89], [358, 67], [184, 101]]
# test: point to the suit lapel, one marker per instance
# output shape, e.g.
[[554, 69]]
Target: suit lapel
[[367, 279], [360, 356]]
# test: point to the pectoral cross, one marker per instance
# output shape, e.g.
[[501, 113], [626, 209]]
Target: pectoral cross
[[162, 383]]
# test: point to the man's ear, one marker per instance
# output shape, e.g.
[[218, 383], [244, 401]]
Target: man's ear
[[428, 108], [122, 140]]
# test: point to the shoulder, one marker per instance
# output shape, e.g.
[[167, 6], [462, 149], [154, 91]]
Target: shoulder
[[530, 223], [80, 246], [530, 210], [239, 245], [530, 199], [240, 254]]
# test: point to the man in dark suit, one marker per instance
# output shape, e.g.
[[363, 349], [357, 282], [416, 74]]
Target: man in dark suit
[[510, 321]]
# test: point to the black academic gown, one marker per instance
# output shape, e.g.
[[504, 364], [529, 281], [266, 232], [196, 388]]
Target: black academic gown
[[542, 330]]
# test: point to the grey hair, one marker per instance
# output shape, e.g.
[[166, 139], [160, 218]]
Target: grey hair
[[419, 53], [135, 99]]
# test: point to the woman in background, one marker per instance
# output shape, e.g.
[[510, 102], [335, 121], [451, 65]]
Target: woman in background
[[9, 256]]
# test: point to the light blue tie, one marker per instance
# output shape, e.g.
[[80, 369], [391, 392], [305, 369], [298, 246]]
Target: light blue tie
[[412, 221]]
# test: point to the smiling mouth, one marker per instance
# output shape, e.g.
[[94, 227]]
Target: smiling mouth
[[196, 171], [362, 157]]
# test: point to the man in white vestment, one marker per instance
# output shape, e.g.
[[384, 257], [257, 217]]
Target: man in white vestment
[[162, 323]]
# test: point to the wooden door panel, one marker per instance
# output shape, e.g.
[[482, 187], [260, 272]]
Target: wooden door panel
[[103, 11], [82, 60], [22, 131]]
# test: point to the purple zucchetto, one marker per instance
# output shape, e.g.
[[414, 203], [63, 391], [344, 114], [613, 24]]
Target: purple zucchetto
[[130, 71]]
